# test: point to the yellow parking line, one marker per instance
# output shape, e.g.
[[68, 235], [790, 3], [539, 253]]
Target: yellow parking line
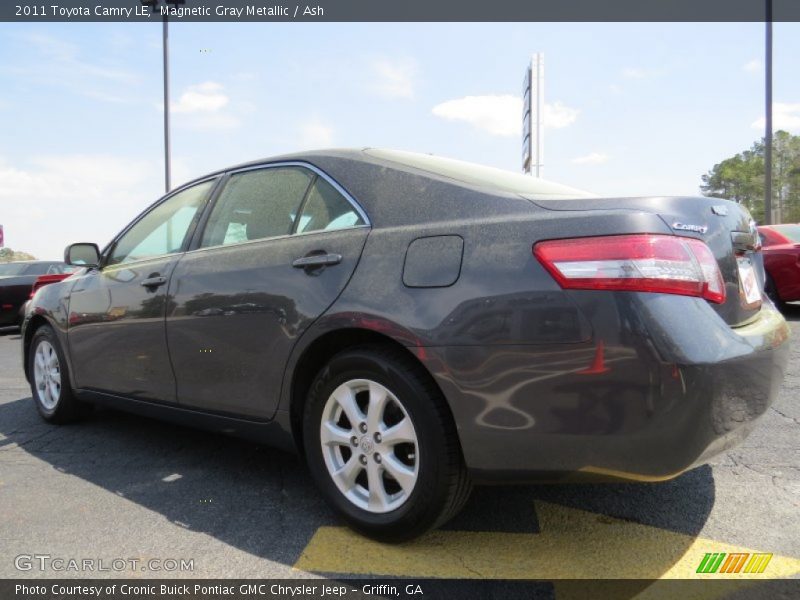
[[573, 544]]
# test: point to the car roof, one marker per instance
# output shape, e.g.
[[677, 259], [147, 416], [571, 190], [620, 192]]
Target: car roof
[[33, 262], [457, 170], [400, 188]]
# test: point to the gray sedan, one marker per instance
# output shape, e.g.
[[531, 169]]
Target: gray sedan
[[413, 325]]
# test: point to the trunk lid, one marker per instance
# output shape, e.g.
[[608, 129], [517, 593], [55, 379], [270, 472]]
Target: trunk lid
[[726, 227]]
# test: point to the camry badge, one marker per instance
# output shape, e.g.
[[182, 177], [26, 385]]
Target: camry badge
[[719, 209], [689, 227]]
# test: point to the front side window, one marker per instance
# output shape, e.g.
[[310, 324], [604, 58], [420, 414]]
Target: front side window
[[257, 204], [164, 229], [58, 269], [326, 209]]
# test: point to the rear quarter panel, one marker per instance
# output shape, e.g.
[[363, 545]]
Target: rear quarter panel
[[504, 313], [502, 296]]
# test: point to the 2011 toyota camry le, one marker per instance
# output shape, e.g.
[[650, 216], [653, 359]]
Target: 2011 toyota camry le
[[413, 324]]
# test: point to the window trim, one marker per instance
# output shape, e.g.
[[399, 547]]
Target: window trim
[[109, 248], [197, 236], [303, 203]]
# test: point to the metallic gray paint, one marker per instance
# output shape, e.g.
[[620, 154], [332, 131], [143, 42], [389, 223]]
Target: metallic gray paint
[[433, 261], [116, 331], [541, 381], [236, 312]]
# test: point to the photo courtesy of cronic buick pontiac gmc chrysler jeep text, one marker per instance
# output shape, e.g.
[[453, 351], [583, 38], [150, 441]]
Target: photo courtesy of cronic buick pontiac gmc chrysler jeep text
[[413, 324]]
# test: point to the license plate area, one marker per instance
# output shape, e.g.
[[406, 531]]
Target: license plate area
[[748, 281]]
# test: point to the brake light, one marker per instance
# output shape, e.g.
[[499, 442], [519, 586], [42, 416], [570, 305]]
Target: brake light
[[641, 263]]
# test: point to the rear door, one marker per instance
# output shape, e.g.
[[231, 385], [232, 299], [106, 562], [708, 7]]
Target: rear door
[[276, 249]]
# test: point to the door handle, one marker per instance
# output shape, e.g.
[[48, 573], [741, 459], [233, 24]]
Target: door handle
[[317, 260], [153, 281]]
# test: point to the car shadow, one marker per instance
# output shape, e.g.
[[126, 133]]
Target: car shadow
[[221, 486]]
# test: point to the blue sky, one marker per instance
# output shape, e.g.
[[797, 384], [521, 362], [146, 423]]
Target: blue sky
[[633, 109]]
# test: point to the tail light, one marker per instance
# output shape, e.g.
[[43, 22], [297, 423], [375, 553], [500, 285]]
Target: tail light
[[44, 280], [640, 263]]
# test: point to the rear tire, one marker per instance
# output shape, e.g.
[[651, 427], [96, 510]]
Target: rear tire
[[50, 383], [382, 446], [772, 292]]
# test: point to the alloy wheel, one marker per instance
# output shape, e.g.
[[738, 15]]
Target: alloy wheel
[[47, 375], [369, 445]]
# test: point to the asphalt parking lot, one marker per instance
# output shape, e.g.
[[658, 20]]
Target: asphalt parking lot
[[120, 486]]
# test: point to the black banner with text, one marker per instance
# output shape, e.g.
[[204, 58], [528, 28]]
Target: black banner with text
[[400, 11], [387, 589]]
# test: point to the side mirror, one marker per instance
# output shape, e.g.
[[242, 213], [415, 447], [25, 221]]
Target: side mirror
[[82, 254]]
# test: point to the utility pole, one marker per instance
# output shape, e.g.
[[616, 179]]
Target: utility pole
[[768, 119]]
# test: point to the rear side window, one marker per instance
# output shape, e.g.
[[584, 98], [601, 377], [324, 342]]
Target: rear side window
[[326, 209], [256, 205], [790, 232]]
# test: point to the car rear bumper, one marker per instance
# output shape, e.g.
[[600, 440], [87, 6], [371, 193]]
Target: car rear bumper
[[664, 385]]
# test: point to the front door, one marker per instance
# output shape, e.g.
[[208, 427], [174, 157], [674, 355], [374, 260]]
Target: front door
[[116, 314], [279, 246]]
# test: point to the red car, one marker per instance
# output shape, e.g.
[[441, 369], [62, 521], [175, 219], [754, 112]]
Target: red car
[[781, 247]]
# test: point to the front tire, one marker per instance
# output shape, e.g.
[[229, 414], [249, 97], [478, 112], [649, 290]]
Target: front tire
[[50, 383], [381, 444]]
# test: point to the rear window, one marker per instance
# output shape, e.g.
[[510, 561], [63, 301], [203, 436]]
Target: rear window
[[38, 269], [791, 232], [10, 269], [482, 176]]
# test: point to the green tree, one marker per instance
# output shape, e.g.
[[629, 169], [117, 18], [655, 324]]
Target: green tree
[[741, 178], [9, 255]]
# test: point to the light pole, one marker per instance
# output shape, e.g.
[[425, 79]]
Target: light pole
[[153, 4], [768, 117]]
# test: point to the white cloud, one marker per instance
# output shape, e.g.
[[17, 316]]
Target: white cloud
[[785, 116], [593, 158], [203, 97], [498, 115], [394, 78], [501, 114], [752, 66], [56, 200], [635, 73], [205, 107], [557, 115], [315, 134]]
